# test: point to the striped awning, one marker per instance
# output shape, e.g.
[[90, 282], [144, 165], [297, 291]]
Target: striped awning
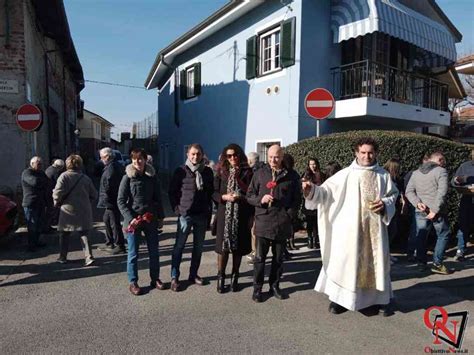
[[353, 18]]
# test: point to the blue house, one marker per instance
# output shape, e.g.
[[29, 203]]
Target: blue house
[[243, 73]]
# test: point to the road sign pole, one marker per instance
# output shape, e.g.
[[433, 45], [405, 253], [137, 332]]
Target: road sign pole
[[35, 143]]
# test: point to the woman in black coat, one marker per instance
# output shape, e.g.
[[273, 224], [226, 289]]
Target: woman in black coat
[[234, 215], [313, 173], [139, 202]]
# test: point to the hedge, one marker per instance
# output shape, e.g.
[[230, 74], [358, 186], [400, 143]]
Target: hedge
[[409, 147]]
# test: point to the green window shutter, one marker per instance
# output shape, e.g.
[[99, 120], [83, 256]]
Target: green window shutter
[[288, 39], [197, 79], [252, 58], [182, 85]]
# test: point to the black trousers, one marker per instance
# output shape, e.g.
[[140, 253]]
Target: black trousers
[[263, 246], [312, 227], [113, 227]]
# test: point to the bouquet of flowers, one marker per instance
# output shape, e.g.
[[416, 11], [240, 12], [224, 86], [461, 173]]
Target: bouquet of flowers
[[145, 218]]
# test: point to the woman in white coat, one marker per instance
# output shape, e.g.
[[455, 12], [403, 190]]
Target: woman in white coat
[[74, 193]]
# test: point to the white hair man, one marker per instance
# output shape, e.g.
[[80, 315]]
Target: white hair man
[[35, 187], [108, 193], [276, 197]]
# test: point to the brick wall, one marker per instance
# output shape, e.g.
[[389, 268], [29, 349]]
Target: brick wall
[[14, 144], [22, 59]]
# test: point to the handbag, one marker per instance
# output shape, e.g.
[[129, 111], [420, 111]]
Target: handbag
[[61, 201]]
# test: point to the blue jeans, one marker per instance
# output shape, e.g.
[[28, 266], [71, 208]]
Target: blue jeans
[[34, 222], [423, 227], [199, 225], [466, 211], [152, 239]]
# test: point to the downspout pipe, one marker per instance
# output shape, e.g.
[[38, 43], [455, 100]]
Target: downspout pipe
[[7, 23], [66, 145], [48, 113]]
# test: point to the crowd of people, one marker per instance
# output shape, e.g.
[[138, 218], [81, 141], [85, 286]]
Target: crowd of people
[[352, 215]]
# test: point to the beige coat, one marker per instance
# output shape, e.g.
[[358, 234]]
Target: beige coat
[[76, 210]]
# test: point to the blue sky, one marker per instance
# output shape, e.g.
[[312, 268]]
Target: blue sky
[[117, 41]]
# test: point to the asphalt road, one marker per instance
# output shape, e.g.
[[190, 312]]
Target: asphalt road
[[46, 307]]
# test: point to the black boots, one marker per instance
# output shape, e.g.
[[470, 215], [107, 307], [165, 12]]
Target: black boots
[[310, 242], [335, 308], [276, 292], [234, 282], [220, 282], [257, 295]]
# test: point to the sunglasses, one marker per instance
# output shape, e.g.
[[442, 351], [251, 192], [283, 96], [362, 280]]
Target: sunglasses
[[232, 155]]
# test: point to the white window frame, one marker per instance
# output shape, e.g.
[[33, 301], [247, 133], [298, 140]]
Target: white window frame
[[262, 146], [273, 66], [190, 72]]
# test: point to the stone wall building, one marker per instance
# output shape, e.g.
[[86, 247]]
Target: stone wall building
[[38, 65]]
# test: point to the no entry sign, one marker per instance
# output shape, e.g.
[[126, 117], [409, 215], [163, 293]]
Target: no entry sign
[[28, 117], [319, 103]]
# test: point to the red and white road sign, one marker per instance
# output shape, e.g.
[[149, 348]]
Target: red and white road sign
[[28, 117], [319, 103]]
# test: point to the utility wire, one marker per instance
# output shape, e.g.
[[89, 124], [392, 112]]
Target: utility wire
[[115, 84]]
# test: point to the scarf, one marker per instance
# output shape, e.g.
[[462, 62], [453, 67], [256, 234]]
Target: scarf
[[197, 170], [231, 219]]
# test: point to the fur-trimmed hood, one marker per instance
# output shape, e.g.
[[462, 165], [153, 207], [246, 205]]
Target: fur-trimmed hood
[[132, 172]]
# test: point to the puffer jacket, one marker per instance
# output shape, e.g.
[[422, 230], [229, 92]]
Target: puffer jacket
[[139, 193], [185, 198]]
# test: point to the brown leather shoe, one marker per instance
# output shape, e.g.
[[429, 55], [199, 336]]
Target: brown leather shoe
[[174, 285], [196, 280], [157, 284], [134, 289]]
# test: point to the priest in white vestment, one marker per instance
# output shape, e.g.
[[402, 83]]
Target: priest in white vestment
[[354, 209]]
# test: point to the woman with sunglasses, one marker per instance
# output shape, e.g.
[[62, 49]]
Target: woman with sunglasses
[[234, 215]]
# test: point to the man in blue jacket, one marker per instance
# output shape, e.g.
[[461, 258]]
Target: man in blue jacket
[[108, 192]]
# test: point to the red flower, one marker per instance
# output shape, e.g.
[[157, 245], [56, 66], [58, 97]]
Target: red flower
[[147, 217], [271, 185]]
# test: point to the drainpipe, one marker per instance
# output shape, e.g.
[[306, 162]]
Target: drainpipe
[[64, 110], [176, 89], [48, 124], [46, 81], [7, 24]]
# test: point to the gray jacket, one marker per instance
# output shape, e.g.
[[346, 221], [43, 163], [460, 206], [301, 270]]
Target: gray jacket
[[76, 210], [428, 185]]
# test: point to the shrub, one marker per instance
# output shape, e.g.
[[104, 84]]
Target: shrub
[[409, 147]]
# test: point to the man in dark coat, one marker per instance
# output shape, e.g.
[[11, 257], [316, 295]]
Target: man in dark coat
[[276, 197], [190, 195], [108, 192], [35, 187], [52, 172]]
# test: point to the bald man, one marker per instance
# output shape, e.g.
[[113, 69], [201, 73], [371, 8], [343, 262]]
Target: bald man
[[276, 197], [34, 183]]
